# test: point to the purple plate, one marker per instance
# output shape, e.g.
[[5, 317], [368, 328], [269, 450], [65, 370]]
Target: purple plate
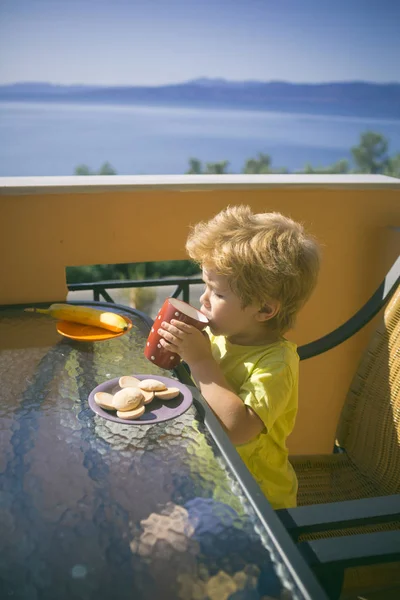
[[156, 411]]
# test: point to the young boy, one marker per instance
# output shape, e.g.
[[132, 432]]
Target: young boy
[[259, 270]]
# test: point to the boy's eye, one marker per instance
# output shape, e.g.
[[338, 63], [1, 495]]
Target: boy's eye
[[211, 291]]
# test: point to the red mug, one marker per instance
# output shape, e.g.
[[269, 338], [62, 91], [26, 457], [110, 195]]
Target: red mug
[[171, 309]]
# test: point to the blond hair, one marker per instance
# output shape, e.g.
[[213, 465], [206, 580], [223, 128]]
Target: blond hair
[[264, 256]]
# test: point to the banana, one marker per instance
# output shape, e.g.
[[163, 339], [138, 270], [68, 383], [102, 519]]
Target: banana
[[85, 315]]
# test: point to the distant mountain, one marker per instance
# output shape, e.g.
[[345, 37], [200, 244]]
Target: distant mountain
[[43, 89], [356, 98], [220, 82]]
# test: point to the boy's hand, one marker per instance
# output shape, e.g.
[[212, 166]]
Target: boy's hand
[[192, 345]]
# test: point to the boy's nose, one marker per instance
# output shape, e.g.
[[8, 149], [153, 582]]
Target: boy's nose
[[204, 298]]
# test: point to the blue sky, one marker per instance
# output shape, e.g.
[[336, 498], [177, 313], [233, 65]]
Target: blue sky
[[151, 42]]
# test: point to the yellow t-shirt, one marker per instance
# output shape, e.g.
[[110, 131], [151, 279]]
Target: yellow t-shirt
[[266, 379]]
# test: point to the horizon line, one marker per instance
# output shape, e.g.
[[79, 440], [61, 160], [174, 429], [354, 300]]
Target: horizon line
[[197, 80]]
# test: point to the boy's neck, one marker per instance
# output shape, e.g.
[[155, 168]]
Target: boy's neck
[[261, 337]]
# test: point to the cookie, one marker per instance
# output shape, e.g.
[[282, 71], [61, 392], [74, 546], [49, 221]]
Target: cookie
[[168, 394], [148, 396], [104, 400], [127, 399], [152, 385], [131, 414], [128, 381]]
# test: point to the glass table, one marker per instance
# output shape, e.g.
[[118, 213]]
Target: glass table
[[94, 509]]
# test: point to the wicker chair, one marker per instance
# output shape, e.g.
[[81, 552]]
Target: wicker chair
[[367, 461], [356, 490]]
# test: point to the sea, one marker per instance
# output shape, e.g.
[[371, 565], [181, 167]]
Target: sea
[[39, 139]]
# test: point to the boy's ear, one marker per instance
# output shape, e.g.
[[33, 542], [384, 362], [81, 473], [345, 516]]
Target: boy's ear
[[268, 311]]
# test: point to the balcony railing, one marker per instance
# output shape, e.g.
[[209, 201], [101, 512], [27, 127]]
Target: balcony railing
[[100, 288]]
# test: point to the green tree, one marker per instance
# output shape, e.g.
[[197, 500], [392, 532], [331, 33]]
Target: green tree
[[259, 165], [341, 166], [217, 168], [106, 169], [83, 170], [195, 167], [370, 155], [393, 167]]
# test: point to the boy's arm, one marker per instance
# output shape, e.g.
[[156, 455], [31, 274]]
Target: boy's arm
[[240, 422]]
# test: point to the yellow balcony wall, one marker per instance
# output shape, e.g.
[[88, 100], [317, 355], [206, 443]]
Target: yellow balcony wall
[[49, 223]]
